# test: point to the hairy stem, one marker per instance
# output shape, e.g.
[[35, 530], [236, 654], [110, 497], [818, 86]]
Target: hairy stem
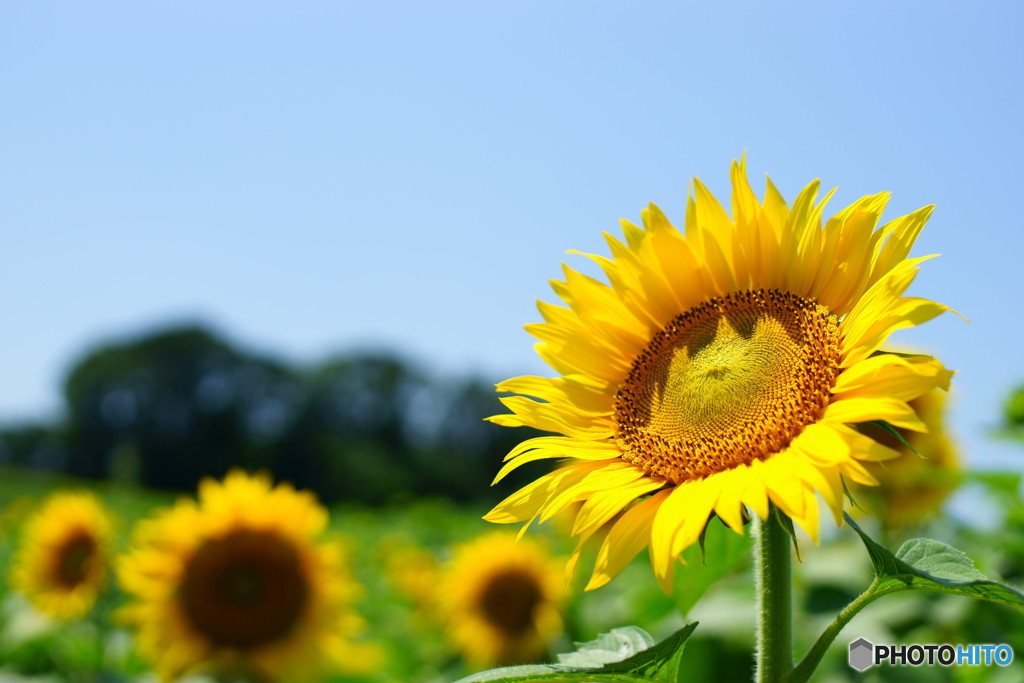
[[773, 567]]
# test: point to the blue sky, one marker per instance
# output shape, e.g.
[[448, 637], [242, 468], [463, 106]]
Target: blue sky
[[314, 176]]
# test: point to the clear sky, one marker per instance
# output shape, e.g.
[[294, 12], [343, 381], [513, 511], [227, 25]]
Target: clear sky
[[314, 176]]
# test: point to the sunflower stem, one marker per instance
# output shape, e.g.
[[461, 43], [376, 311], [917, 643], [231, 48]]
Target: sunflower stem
[[773, 568], [805, 669]]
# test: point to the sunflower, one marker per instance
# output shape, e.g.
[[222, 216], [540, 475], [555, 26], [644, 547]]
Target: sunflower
[[720, 369], [61, 563], [239, 583], [914, 485], [502, 600]]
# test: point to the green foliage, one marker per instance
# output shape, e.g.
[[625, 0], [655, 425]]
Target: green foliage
[[624, 654], [896, 434], [614, 646], [1013, 410], [927, 564], [721, 551]]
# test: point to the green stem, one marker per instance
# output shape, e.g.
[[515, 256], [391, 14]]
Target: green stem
[[803, 671], [773, 567]]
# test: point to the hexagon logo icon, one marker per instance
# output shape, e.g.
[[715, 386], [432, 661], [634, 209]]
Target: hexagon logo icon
[[862, 654]]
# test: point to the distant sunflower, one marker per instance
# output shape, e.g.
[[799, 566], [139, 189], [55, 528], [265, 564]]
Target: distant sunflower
[[240, 584], [721, 369], [503, 600], [914, 485], [61, 562]]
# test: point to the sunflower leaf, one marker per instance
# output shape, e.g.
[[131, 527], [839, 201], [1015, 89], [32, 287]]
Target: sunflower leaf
[[787, 525], [896, 434], [614, 646], [623, 655], [849, 494], [657, 663], [927, 564], [901, 354]]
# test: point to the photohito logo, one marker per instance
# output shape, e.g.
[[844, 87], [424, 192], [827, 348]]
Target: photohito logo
[[864, 654]]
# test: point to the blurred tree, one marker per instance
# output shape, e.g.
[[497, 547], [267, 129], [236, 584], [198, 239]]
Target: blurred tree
[[34, 445], [348, 442], [376, 429], [175, 405], [459, 452]]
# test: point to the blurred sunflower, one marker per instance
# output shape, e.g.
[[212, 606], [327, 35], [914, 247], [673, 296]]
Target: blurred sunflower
[[502, 600], [240, 584], [914, 485], [721, 369], [61, 562]]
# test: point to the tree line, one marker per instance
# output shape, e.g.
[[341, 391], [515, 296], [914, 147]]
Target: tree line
[[175, 405]]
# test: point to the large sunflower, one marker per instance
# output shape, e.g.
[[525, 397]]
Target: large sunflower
[[240, 583], [502, 600], [61, 562], [719, 370]]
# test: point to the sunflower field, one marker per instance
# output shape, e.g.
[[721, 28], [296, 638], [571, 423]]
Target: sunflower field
[[731, 467], [402, 558]]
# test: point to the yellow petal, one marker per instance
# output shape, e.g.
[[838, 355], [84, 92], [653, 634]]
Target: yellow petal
[[679, 522], [612, 475], [756, 494], [729, 506], [578, 450], [831, 444], [899, 235], [784, 488], [625, 539], [808, 521], [892, 376], [576, 391], [893, 411], [603, 505], [549, 417], [905, 312], [527, 502]]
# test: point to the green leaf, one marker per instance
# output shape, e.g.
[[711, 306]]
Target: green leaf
[[723, 550], [776, 516], [927, 564], [658, 663], [892, 431], [849, 495], [901, 354], [614, 646], [624, 654]]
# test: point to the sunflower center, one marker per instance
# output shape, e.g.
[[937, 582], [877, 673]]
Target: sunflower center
[[245, 589], [508, 602], [729, 381], [74, 558]]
